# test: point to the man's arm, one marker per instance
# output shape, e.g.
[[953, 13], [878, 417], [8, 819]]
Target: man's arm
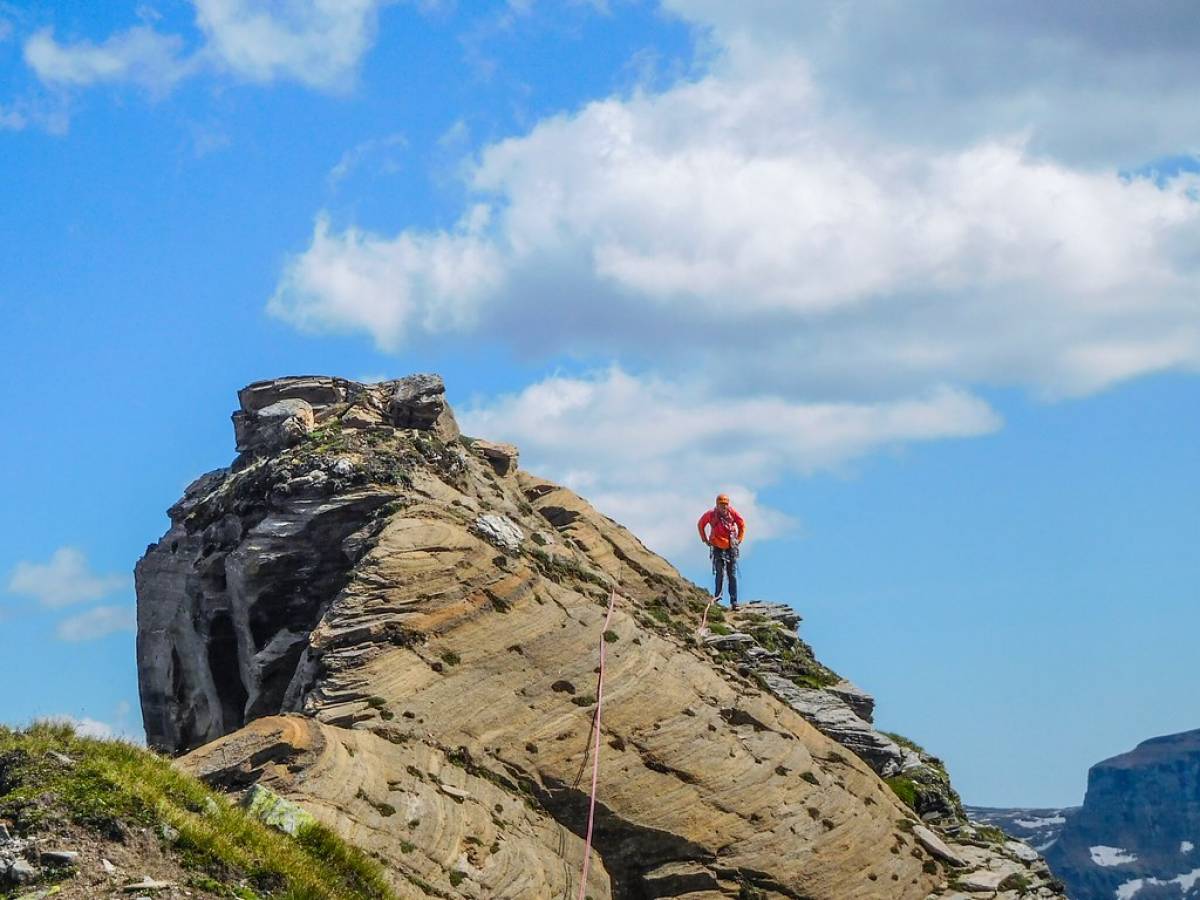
[[741, 524], [704, 520]]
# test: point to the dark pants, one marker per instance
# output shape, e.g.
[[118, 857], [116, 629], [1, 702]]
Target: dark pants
[[725, 564]]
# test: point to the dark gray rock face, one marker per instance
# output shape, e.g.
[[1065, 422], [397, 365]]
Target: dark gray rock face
[[228, 598], [1137, 835]]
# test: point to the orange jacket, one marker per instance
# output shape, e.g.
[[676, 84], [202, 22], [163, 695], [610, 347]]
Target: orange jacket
[[720, 533]]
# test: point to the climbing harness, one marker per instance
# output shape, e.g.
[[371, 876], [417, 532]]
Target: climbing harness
[[587, 848]]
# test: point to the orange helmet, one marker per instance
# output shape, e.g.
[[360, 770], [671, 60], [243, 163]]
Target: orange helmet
[[722, 499]]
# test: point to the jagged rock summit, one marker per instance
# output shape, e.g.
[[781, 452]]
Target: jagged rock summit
[[396, 627]]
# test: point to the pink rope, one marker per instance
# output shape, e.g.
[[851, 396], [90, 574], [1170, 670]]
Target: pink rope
[[704, 621], [587, 849]]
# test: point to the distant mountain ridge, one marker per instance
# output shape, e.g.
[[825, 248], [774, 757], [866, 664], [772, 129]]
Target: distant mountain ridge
[[1137, 835], [1039, 828]]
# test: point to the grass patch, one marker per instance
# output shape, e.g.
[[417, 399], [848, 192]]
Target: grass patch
[[114, 785], [611, 637], [991, 834], [1017, 881], [904, 788], [451, 658]]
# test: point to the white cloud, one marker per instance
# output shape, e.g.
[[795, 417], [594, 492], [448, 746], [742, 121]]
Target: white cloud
[[140, 56], [820, 279], [315, 42], [318, 43], [97, 623], [733, 215], [653, 453], [47, 113], [382, 151], [12, 119], [65, 579], [355, 281], [1101, 84]]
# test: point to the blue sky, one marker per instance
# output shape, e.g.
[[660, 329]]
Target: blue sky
[[917, 287]]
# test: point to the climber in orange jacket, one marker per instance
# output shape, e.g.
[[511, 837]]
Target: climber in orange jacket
[[723, 530]]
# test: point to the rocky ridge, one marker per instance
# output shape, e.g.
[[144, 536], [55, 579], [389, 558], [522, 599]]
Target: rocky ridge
[[395, 626], [1137, 835]]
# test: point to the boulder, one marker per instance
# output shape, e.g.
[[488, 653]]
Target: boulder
[[937, 846], [282, 424], [419, 401], [316, 390], [500, 530], [21, 871], [501, 457], [774, 612], [856, 698], [362, 415], [271, 809]]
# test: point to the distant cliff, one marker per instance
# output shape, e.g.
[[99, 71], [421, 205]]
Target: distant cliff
[[397, 627], [1137, 835]]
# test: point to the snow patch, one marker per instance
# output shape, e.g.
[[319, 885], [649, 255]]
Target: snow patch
[[1041, 822], [1186, 882], [1111, 856]]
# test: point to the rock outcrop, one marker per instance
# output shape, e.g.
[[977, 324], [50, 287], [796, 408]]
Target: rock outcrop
[[396, 628], [1137, 835]]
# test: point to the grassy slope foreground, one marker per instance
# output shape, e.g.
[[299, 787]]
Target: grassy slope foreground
[[132, 818]]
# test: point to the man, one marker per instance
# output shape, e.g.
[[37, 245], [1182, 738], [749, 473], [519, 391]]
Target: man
[[722, 529]]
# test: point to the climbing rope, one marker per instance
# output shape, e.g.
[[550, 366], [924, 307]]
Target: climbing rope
[[704, 620], [587, 848]]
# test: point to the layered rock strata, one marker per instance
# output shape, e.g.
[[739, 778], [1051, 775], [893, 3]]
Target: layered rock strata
[[397, 628]]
